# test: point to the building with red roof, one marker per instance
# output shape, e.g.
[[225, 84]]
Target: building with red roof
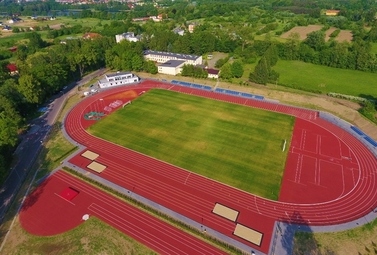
[[12, 68]]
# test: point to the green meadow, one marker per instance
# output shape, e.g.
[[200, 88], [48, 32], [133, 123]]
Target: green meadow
[[316, 78], [233, 144]]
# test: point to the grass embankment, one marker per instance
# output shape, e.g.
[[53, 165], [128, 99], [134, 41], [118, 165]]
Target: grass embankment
[[361, 240], [226, 142]]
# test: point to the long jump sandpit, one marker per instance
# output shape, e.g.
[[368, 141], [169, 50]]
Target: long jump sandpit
[[248, 234], [97, 167], [226, 212], [90, 155]]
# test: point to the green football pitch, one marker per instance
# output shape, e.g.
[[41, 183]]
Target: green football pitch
[[236, 145]]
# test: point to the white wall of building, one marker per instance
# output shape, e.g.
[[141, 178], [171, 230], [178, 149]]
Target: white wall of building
[[170, 70]]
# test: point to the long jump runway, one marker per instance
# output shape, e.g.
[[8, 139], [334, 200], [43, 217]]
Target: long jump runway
[[195, 196]]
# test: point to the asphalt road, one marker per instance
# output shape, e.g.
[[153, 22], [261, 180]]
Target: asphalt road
[[32, 143]]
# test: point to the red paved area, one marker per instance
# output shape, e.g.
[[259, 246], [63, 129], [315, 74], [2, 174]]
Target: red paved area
[[322, 156], [320, 167], [46, 213]]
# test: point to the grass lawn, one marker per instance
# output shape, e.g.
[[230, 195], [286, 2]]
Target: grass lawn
[[226, 142], [324, 79]]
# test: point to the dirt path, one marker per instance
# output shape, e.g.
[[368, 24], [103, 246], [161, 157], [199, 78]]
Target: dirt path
[[345, 109]]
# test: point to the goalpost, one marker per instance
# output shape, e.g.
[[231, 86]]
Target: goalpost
[[128, 102], [284, 144]]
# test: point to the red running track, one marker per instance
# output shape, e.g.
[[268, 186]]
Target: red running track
[[194, 196], [46, 213]]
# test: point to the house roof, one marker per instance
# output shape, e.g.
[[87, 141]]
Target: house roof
[[117, 74], [172, 63], [172, 55], [12, 68], [332, 11], [91, 35], [13, 48], [212, 71]]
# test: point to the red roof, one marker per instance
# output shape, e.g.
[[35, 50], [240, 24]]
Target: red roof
[[212, 71], [13, 49], [90, 35], [12, 68]]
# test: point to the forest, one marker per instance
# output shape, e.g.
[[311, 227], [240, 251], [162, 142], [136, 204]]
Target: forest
[[247, 30]]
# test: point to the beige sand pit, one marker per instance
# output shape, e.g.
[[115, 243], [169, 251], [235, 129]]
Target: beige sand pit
[[90, 155], [248, 234], [225, 212], [96, 167]]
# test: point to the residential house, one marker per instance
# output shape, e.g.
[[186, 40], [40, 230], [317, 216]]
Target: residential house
[[212, 73], [178, 31], [140, 19], [191, 28], [6, 28], [13, 49], [12, 68], [332, 12], [129, 36], [12, 21], [91, 36]]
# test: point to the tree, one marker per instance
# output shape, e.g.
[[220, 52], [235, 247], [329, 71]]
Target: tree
[[183, 44], [22, 52], [137, 63], [150, 67], [82, 54], [261, 72], [372, 35], [35, 42], [237, 69], [226, 72], [9, 121], [9, 91], [316, 40], [271, 55], [30, 88], [49, 69], [290, 49], [193, 71], [220, 62], [4, 72]]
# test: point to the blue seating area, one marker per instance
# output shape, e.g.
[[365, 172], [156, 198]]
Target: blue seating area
[[191, 85], [218, 90], [259, 97], [363, 135], [247, 95], [358, 131], [237, 93], [371, 141]]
